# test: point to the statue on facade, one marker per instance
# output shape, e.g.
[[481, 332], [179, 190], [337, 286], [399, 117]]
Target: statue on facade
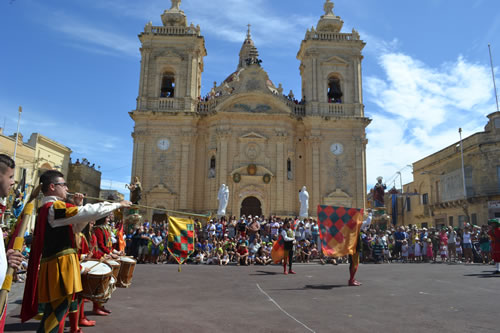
[[304, 202], [223, 197], [176, 5], [135, 191], [379, 192]]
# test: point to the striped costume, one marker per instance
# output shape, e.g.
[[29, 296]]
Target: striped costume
[[53, 276]]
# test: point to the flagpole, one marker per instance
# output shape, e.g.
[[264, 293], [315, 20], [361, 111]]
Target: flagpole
[[493, 75], [17, 133]]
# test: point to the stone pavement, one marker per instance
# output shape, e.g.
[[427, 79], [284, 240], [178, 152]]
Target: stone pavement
[[393, 298]]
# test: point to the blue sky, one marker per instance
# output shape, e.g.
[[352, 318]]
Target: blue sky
[[74, 67]]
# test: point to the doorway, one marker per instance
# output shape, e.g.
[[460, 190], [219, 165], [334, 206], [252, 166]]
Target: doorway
[[251, 206]]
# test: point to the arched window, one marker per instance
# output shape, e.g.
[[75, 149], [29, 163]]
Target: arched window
[[334, 90], [167, 85], [289, 169], [211, 170]]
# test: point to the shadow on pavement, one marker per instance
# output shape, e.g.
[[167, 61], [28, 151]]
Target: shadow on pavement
[[21, 327], [485, 274], [316, 286], [265, 273]]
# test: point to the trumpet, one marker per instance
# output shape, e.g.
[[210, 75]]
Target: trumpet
[[205, 216]]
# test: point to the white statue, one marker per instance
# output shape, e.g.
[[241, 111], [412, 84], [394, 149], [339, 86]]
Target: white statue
[[223, 197], [304, 202]]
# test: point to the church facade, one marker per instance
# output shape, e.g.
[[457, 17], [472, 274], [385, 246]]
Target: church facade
[[247, 134]]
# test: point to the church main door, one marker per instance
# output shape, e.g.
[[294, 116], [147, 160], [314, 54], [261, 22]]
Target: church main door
[[251, 206]]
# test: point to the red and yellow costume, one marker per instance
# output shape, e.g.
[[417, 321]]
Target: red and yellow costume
[[53, 276]]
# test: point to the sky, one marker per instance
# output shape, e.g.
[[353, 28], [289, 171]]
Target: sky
[[74, 67]]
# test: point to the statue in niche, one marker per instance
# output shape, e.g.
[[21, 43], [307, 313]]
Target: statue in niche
[[304, 203]]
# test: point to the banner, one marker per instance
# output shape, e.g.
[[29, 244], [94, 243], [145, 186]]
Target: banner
[[180, 238], [339, 229]]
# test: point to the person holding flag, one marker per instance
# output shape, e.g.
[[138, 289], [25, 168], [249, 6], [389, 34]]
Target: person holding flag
[[283, 247], [340, 234]]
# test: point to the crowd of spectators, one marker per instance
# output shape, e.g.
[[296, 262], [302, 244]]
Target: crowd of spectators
[[249, 240]]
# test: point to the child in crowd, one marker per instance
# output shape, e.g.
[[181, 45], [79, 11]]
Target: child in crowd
[[444, 252], [378, 250], [430, 253], [262, 257], [459, 250], [418, 250], [225, 258], [314, 251], [405, 251], [411, 251], [306, 252]]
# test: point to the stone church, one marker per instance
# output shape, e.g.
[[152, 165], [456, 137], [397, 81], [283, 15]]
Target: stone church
[[263, 144]]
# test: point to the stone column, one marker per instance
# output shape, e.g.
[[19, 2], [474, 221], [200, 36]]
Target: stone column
[[223, 136], [139, 155], [281, 136], [316, 169], [184, 176], [144, 80]]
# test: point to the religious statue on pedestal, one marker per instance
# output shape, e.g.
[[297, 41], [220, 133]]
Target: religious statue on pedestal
[[378, 193], [223, 197], [135, 191], [304, 203]]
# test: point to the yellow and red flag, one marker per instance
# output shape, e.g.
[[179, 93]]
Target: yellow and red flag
[[339, 229], [180, 238]]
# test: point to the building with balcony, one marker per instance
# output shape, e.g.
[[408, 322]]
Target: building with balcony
[[437, 196], [246, 133]]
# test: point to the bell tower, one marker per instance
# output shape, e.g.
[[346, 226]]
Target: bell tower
[[330, 67], [171, 63]]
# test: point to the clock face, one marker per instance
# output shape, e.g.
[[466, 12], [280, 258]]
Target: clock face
[[163, 144], [337, 148]]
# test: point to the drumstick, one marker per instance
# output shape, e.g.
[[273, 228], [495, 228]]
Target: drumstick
[[206, 216]]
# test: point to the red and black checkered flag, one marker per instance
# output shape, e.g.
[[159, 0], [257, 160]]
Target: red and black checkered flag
[[339, 229]]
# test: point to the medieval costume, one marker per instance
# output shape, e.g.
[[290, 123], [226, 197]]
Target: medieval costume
[[288, 236], [354, 258], [495, 243], [53, 277]]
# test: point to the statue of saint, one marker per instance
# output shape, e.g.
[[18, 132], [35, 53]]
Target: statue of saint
[[135, 191], [304, 202], [223, 197], [176, 4], [378, 193]]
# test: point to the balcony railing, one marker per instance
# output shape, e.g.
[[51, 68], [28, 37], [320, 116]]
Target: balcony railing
[[333, 36], [173, 31]]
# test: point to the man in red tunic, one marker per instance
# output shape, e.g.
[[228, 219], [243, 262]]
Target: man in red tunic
[[495, 242]]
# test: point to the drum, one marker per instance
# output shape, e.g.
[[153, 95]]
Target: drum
[[115, 266], [95, 283], [127, 267]]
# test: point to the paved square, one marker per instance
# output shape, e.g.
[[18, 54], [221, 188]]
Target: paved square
[[393, 298]]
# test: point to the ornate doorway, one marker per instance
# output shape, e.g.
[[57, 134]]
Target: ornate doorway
[[251, 206]]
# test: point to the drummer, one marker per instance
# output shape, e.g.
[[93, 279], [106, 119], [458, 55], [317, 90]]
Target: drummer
[[103, 249], [84, 253]]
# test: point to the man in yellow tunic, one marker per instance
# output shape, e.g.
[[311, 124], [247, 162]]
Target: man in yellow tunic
[[57, 280]]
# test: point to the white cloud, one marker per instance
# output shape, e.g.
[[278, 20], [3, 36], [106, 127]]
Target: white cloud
[[225, 19], [89, 37], [419, 108]]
